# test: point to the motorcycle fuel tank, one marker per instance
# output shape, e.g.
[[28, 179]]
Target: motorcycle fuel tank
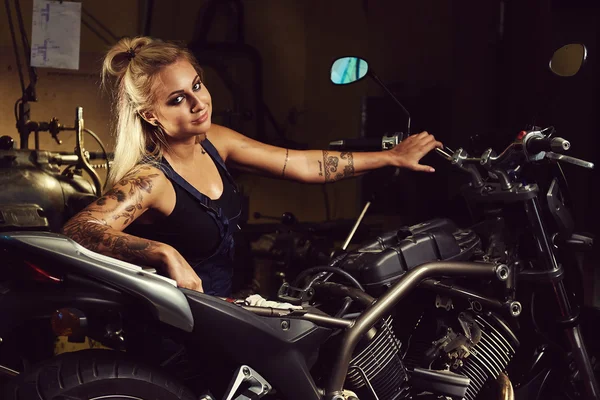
[[379, 263]]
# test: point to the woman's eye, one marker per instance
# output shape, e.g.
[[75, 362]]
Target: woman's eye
[[177, 99], [197, 87]]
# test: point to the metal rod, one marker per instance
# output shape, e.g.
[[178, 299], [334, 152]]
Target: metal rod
[[355, 227], [386, 303], [380, 83], [7, 371], [326, 321], [321, 320], [458, 291]]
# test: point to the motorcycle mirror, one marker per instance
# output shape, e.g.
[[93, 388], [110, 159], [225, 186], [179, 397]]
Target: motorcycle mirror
[[567, 60], [347, 70]]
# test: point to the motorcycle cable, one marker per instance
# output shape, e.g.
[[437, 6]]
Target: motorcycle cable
[[104, 152], [337, 270]]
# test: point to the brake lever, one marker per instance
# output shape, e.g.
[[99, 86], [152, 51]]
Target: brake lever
[[571, 160]]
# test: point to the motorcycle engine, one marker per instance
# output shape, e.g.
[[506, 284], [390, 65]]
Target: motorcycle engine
[[376, 370], [446, 346], [478, 346]]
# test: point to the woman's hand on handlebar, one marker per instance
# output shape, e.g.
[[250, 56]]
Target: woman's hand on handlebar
[[409, 152], [178, 269]]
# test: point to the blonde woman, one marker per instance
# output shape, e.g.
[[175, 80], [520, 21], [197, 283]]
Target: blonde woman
[[172, 203]]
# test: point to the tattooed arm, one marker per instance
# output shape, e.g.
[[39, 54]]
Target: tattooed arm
[[317, 166], [99, 226]]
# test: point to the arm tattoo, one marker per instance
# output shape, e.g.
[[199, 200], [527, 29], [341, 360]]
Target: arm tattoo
[[138, 185], [287, 157], [95, 234], [320, 167], [331, 166], [90, 228]]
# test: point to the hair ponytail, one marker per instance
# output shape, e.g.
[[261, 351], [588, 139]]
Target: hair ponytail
[[130, 68]]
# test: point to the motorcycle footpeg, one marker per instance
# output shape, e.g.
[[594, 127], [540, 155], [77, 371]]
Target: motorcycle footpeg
[[249, 383]]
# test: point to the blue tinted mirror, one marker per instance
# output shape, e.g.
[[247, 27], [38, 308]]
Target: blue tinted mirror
[[348, 69]]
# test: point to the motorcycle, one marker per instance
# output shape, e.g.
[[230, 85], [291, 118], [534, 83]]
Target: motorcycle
[[426, 311], [511, 193], [43, 189]]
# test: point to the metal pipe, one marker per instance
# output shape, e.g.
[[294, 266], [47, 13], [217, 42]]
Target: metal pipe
[[326, 320], [356, 224], [384, 305], [505, 387]]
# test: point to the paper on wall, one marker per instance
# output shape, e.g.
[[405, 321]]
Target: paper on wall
[[55, 34]]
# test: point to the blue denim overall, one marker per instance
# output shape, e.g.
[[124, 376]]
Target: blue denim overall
[[216, 271]]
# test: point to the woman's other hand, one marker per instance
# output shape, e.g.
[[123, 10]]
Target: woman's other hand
[[179, 270]]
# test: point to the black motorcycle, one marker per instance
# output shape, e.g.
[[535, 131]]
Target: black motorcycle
[[426, 311]]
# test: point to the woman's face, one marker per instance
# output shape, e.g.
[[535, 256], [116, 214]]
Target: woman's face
[[183, 104]]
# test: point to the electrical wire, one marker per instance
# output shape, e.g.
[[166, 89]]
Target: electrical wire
[[17, 109], [92, 134]]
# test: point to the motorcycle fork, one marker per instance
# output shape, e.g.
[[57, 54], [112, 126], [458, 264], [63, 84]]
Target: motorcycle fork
[[569, 314]]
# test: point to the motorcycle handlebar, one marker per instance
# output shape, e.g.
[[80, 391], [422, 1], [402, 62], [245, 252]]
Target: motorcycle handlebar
[[538, 144], [360, 144], [367, 144]]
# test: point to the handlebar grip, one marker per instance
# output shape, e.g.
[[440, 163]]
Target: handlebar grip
[[556, 144], [360, 144]]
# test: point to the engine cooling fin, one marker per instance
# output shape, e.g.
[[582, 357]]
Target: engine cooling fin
[[376, 371], [490, 356]]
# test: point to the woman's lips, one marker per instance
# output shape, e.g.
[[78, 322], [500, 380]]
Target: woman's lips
[[201, 119]]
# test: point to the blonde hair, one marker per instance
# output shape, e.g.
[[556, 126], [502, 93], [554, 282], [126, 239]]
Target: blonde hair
[[131, 67]]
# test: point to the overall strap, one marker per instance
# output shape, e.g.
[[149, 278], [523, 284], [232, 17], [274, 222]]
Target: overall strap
[[204, 200], [214, 154]]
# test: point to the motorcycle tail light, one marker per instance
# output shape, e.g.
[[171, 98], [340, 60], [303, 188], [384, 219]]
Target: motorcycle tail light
[[40, 274]]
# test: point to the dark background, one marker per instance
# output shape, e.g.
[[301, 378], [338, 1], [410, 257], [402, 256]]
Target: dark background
[[500, 85]]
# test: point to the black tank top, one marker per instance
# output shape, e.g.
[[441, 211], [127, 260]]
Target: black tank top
[[189, 228]]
